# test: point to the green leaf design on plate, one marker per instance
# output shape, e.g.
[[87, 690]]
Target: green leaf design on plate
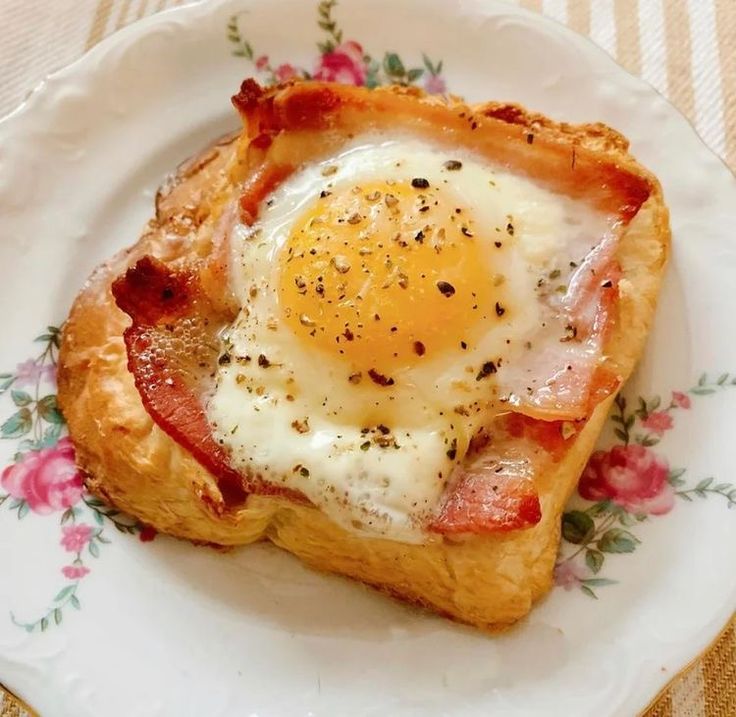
[[20, 398], [18, 424], [598, 582], [64, 592], [393, 66], [698, 391], [577, 527], [49, 411], [594, 560], [588, 592], [617, 540]]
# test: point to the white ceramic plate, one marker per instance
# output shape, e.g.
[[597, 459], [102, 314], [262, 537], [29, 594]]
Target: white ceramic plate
[[95, 622]]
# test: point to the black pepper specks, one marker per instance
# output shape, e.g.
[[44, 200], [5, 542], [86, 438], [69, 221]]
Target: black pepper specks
[[263, 362], [379, 378], [420, 183], [452, 165], [500, 311], [452, 450], [486, 370], [446, 288], [419, 348]]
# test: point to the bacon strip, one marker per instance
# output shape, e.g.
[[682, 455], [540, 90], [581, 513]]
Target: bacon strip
[[498, 132], [495, 494], [172, 349]]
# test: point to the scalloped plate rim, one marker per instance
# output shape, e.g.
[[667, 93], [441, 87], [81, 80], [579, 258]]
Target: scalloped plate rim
[[134, 32]]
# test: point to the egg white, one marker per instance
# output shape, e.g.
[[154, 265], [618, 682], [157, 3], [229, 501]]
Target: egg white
[[288, 413]]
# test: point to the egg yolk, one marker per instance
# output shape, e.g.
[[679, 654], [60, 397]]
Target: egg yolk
[[388, 274]]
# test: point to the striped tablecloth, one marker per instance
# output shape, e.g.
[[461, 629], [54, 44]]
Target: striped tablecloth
[[685, 48]]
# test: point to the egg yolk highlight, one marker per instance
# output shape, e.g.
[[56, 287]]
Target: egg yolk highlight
[[388, 274]]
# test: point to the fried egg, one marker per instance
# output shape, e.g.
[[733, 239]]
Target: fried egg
[[391, 297]]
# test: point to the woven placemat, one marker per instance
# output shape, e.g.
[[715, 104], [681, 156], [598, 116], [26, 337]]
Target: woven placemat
[[685, 48]]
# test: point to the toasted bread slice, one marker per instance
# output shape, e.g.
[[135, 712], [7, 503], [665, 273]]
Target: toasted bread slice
[[488, 581]]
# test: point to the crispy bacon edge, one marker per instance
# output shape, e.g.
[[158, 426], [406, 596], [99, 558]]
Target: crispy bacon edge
[[158, 299]]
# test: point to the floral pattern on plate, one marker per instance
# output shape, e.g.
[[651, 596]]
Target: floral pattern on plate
[[629, 483], [339, 60], [43, 479]]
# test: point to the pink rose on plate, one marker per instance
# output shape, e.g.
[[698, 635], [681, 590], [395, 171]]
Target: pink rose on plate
[[343, 64], [680, 399], [658, 422], [285, 72], [47, 480], [75, 537], [568, 575], [74, 572], [29, 372], [631, 476], [435, 85]]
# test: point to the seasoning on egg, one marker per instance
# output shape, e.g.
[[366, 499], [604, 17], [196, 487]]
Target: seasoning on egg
[[301, 426], [571, 333], [452, 450], [379, 378], [419, 348], [486, 370], [420, 183], [446, 288], [452, 165], [500, 311], [340, 263]]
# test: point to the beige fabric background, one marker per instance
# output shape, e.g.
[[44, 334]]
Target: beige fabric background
[[684, 48]]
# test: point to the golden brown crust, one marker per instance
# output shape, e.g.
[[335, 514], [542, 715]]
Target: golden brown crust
[[485, 581]]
